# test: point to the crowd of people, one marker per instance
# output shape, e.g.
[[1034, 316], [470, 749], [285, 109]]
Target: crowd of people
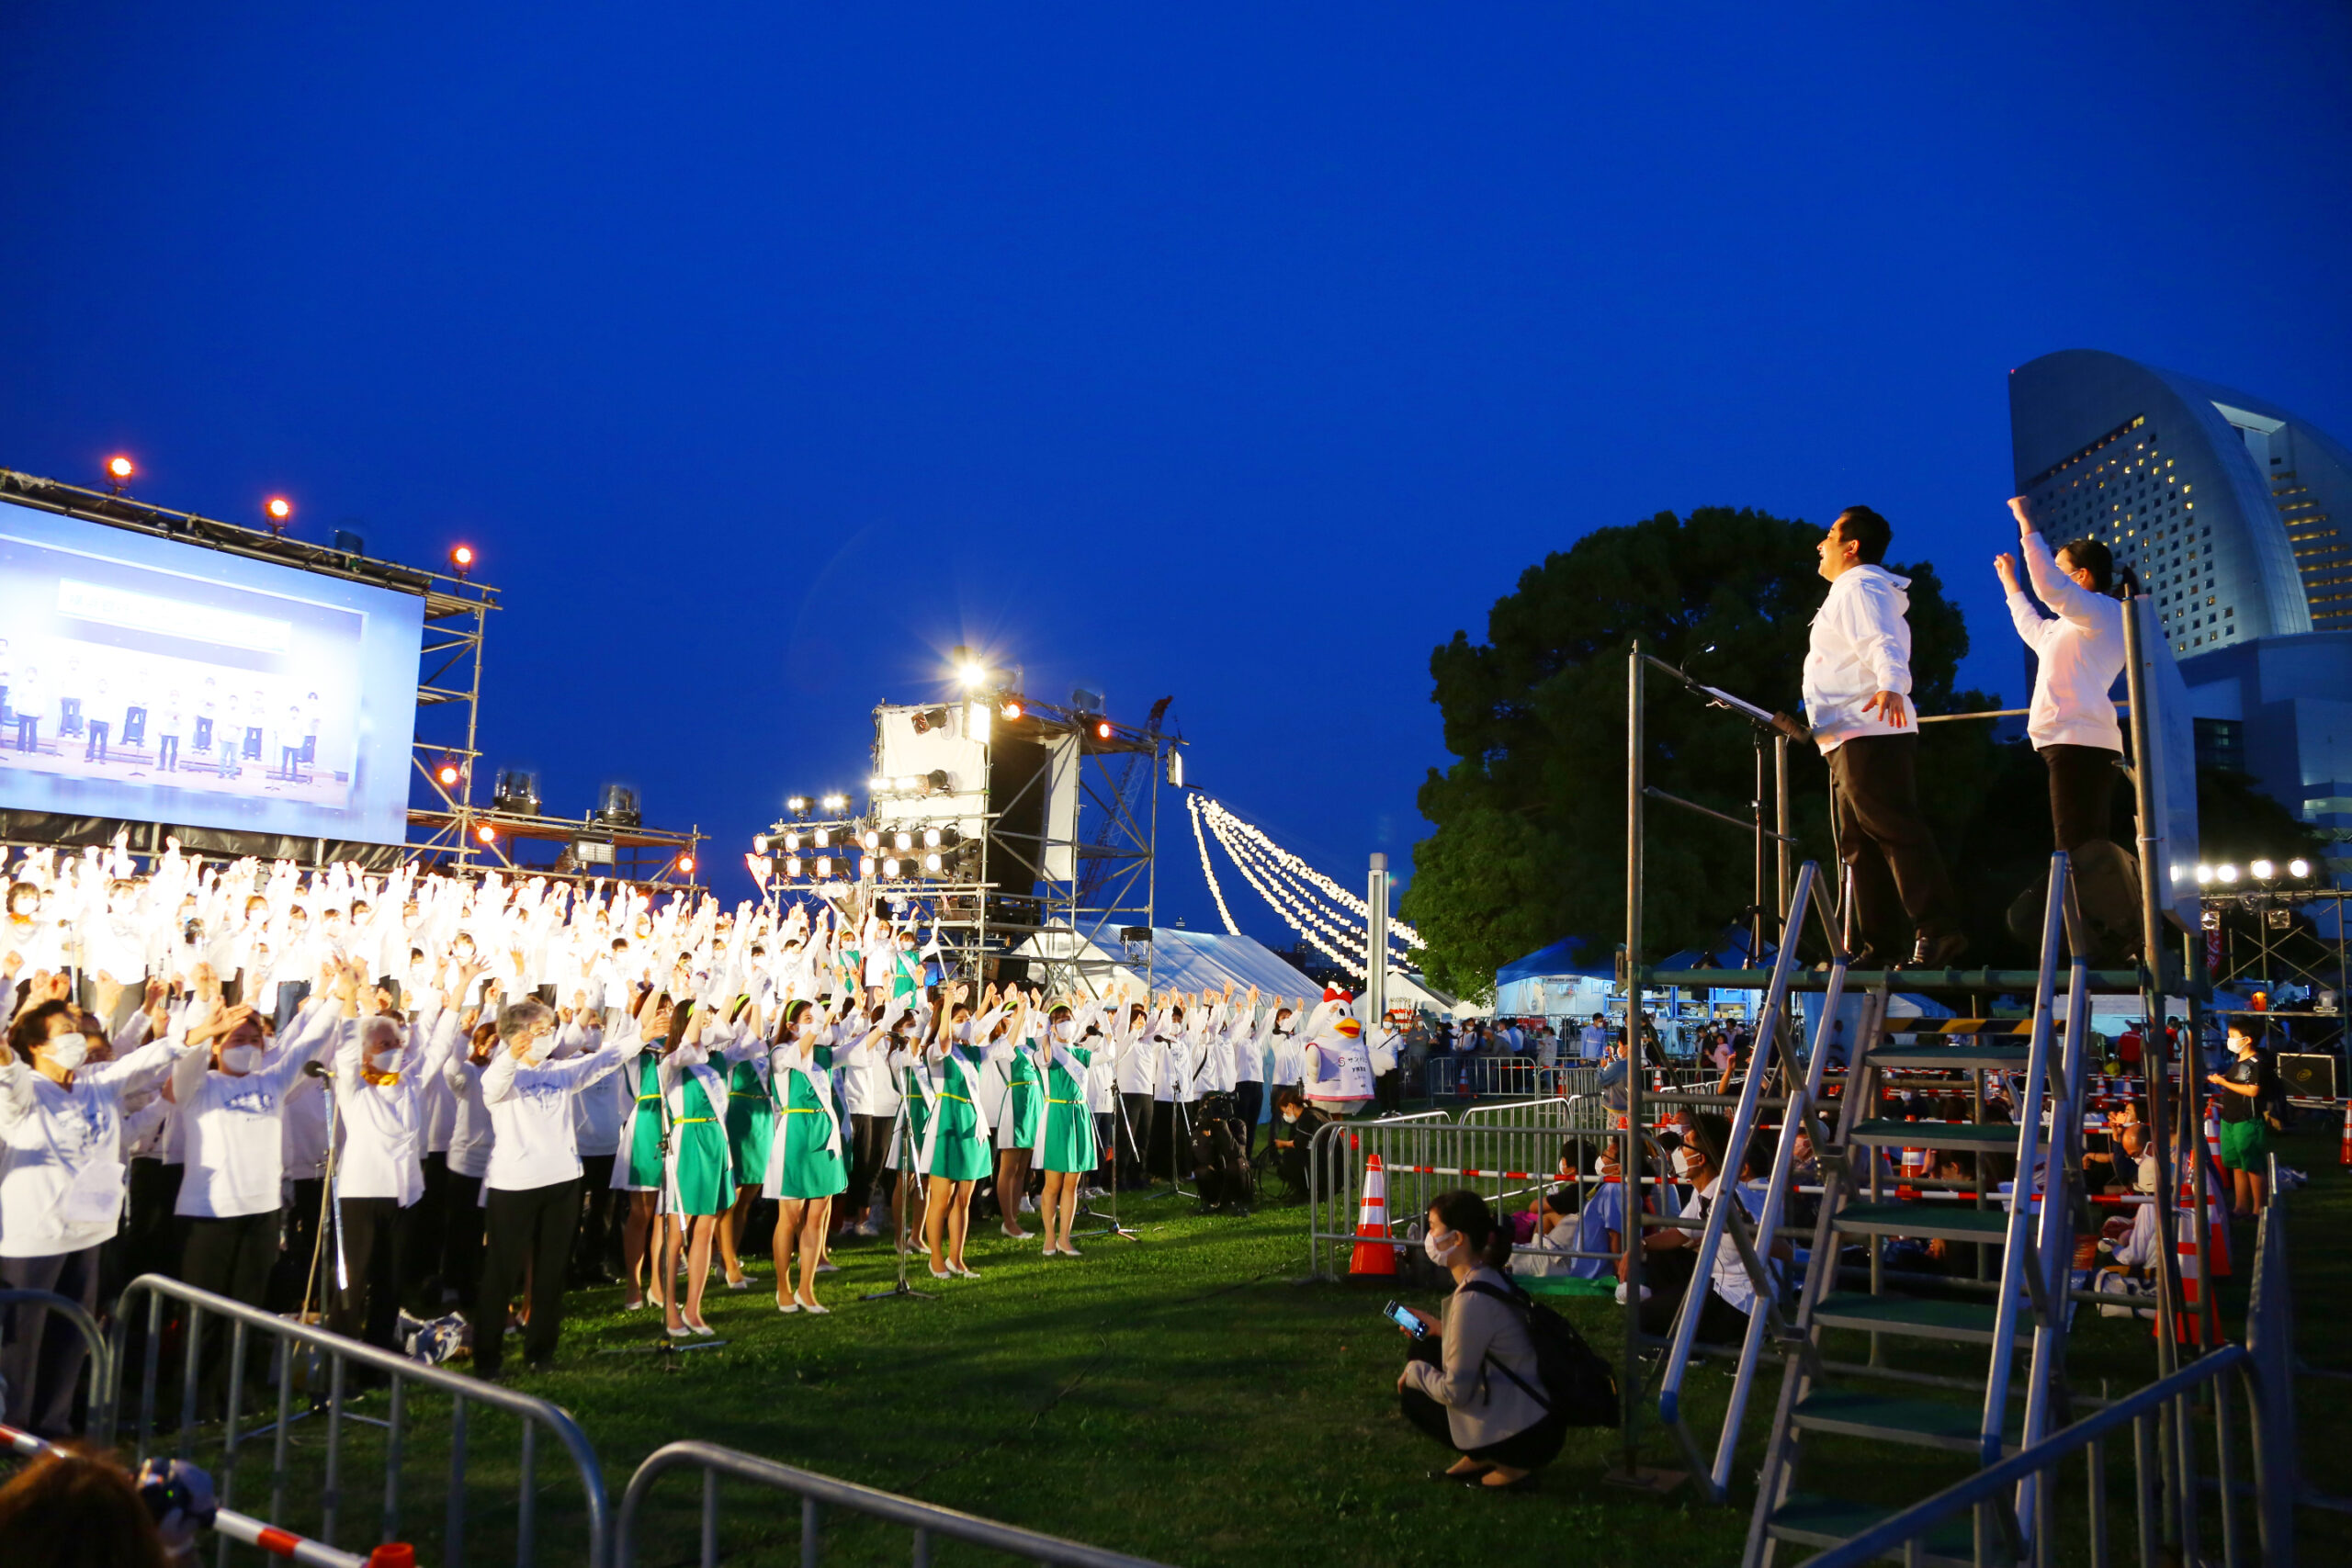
[[370, 1094]]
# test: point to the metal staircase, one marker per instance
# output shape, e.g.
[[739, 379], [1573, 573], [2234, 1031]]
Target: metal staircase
[[1991, 1412]]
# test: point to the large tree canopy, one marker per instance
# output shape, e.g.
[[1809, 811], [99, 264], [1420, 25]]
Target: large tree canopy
[[1531, 819]]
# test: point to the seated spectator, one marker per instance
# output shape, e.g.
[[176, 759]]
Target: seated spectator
[[1556, 1235], [1295, 1125], [1731, 1290], [2125, 1166], [1476, 1387]]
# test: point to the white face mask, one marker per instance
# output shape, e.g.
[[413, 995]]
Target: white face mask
[[239, 1059], [1686, 1162], [1439, 1247], [1065, 1030], [384, 1061], [67, 1051], [1289, 1115]]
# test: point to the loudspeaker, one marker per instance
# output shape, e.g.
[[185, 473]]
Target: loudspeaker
[[1017, 795], [2307, 1074]]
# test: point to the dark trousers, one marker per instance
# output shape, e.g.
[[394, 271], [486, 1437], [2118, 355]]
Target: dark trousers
[[1135, 1137], [291, 1275], [1170, 1144], [2082, 793], [95, 750], [870, 1154], [1388, 1091], [428, 1235], [1247, 1099], [461, 1242], [230, 1258], [1529, 1450], [373, 1237], [1106, 1139], [151, 1234], [1874, 793], [28, 732], [591, 1255], [534, 1225], [40, 1351]]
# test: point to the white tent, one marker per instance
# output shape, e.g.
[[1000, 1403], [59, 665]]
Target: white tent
[[1184, 961]]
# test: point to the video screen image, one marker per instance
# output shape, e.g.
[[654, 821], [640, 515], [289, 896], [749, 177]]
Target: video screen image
[[148, 679]]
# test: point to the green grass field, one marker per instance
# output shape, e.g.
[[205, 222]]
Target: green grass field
[[1181, 1398]]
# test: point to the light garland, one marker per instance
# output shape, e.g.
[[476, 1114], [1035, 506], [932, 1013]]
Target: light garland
[[1299, 869], [1300, 901], [1299, 916], [1232, 927]]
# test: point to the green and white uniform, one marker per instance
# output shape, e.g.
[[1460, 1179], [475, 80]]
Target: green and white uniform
[[751, 1117], [806, 1161], [1065, 1131], [639, 1168], [956, 1133], [701, 1177]]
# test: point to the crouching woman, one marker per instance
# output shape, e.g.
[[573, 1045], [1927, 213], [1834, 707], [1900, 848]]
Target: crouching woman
[[1476, 1388]]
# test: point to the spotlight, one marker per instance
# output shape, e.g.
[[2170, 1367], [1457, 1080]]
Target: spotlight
[[824, 866], [890, 868], [823, 838], [931, 838], [687, 864], [797, 804], [865, 867], [120, 468], [2226, 875], [871, 839], [278, 509], [2204, 875], [1101, 730], [486, 833], [909, 783], [2299, 867], [836, 803], [792, 866], [902, 840], [2262, 870], [792, 843], [937, 778], [933, 863], [971, 675], [929, 719], [878, 785], [759, 843], [448, 774], [462, 557]]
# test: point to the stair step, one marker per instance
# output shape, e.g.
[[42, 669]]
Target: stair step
[[2019, 1025], [1924, 1423], [1948, 1221], [1948, 1059], [1938, 1135], [1810, 1520], [1965, 1321]]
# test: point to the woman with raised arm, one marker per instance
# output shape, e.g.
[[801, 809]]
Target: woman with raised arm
[[806, 1166], [1065, 1145], [1013, 1052], [698, 1183], [955, 1135]]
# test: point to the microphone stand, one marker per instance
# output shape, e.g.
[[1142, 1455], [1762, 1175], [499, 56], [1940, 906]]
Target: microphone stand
[[1111, 1225], [900, 1290]]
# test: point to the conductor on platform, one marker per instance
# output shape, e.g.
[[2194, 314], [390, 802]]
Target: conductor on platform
[[1858, 700]]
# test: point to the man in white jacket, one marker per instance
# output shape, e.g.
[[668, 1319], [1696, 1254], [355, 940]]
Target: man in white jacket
[[2077, 657], [1858, 700]]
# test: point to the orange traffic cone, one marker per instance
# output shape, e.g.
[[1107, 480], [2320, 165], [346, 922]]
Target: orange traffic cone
[[2343, 1151], [1376, 1253]]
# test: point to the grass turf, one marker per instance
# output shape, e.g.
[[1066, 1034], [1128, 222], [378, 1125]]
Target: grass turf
[[1181, 1398]]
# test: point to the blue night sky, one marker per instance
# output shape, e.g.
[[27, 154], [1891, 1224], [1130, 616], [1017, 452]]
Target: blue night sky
[[1237, 353]]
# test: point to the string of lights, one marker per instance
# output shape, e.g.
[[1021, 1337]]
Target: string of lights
[[1294, 899], [1301, 917], [1232, 927], [1299, 869]]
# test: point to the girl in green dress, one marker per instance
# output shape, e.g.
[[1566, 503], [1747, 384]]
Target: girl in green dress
[[637, 1170], [956, 1131], [1013, 1060], [804, 1165], [700, 1184], [1064, 1147], [750, 1132]]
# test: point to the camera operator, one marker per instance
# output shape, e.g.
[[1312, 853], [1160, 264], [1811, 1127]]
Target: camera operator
[[1476, 1388]]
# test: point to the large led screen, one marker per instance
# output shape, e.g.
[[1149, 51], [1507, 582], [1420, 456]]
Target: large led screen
[[160, 682]]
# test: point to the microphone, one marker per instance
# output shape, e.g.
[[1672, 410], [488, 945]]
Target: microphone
[[317, 1070]]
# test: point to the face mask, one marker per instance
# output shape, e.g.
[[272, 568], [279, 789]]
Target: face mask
[[1686, 1162], [1290, 1115], [239, 1059], [67, 1051], [1065, 1030], [386, 1060], [1439, 1247]]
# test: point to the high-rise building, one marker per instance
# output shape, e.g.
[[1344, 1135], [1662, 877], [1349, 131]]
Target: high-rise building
[[2237, 517]]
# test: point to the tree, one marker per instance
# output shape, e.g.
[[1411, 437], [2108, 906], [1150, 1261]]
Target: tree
[[1531, 817]]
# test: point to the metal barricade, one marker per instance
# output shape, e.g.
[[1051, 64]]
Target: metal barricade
[[2162, 1426], [93, 1338], [818, 1493], [321, 1360]]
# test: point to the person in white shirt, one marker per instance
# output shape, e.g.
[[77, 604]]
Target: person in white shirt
[[61, 1128], [1857, 698], [1731, 1289], [534, 1181], [2078, 657]]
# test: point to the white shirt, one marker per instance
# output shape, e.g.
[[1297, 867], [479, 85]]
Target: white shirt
[[1862, 645], [530, 1111], [598, 1110], [383, 1123], [1732, 1280], [235, 1155], [61, 1151], [2077, 656]]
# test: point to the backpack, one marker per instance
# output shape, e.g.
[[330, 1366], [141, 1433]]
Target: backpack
[[1579, 1389]]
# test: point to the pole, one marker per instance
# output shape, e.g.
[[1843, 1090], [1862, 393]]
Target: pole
[[1780, 808], [1629, 1381], [2153, 1063], [1376, 945]]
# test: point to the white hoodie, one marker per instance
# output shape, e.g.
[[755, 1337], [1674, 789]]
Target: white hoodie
[[1862, 645]]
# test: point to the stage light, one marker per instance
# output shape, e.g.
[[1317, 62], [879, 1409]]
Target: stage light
[[687, 864], [792, 866], [937, 778], [902, 840], [1012, 709], [2226, 873], [120, 468], [279, 509], [836, 803], [792, 843], [890, 868], [1101, 730], [448, 774], [931, 838], [823, 838], [878, 785], [871, 839], [971, 675], [824, 866], [462, 557], [797, 804], [933, 863], [486, 833], [2262, 870], [759, 843], [2299, 867], [865, 867], [909, 783], [2204, 876]]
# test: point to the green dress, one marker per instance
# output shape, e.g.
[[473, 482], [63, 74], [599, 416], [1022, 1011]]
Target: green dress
[[645, 1124], [703, 1182], [809, 1166], [1021, 1103], [1069, 1123], [751, 1122], [958, 1151], [909, 1155]]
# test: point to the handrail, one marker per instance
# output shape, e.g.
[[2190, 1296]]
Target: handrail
[[1988, 1486], [818, 1492], [1686, 1322], [463, 1390], [93, 1336]]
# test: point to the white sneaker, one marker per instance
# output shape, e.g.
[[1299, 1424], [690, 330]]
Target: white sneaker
[[829, 1266], [1028, 1204]]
